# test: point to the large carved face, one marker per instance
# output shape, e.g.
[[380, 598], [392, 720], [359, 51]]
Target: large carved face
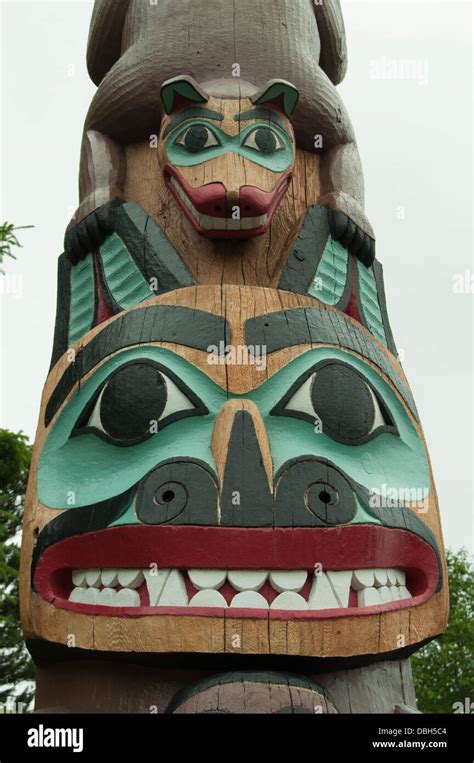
[[219, 465], [228, 163]]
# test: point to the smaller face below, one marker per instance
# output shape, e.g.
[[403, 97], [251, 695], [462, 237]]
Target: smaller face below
[[253, 693]]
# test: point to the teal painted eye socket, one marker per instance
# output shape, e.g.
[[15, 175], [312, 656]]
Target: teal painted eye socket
[[338, 400], [265, 140], [198, 142], [135, 403], [197, 138]]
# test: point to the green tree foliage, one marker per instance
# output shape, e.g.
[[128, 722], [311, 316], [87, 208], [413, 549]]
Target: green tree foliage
[[8, 240], [16, 668], [444, 669]]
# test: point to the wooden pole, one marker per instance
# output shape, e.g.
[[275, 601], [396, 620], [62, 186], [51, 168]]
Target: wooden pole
[[231, 503]]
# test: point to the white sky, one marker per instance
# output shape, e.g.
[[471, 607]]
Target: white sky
[[415, 137]]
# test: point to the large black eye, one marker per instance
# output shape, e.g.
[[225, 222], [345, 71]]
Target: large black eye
[[264, 139], [339, 401], [135, 403], [196, 138]]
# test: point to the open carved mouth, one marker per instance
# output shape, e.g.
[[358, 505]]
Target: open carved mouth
[[222, 225], [136, 570]]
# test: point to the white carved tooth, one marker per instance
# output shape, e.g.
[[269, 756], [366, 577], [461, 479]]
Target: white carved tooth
[[340, 581], [127, 598], [91, 596], [247, 580], [202, 579], [381, 577], [249, 600], [77, 595], [107, 597], [109, 578], [401, 577], [289, 600], [209, 598], [288, 580], [174, 591], [385, 594], [155, 580], [404, 592], [93, 578], [322, 596], [130, 578], [395, 591], [391, 577], [79, 578], [368, 597], [362, 579]]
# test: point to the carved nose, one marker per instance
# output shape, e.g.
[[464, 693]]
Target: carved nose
[[242, 455], [210, 199], [178, 491], [254, 202], [312, 493]]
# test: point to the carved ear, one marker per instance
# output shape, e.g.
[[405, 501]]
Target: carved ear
[[279, 94], [333, 57], [181, 91]]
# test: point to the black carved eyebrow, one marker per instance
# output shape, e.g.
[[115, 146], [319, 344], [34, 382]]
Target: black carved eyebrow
[[192, 113], [157, 323], [267, 114], [310, 325]]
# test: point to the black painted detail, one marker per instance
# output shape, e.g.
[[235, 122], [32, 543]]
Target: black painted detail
[[179, 491], [246, 498], [77, 521], [352, 237], [379, 280], [310, 325], [63, 310], [313, 493], [305, 257], [90, 233], [341, 402], [128, 408], [151, 251], [156, 323]]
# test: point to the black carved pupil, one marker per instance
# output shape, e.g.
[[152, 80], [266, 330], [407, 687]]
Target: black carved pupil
[[196, 138], [133, 399], [265, 140], [343, 402]]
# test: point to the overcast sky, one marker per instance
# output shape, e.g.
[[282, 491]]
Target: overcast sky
[[408, 91]]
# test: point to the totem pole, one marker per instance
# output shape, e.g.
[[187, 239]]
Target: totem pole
[[231, 506]]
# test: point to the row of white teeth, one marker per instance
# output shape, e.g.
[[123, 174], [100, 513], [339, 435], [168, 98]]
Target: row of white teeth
[[206, 222], [167, 588]]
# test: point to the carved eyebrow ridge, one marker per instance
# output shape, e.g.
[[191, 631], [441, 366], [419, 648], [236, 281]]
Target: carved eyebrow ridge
[[262, 113], [193, 112]]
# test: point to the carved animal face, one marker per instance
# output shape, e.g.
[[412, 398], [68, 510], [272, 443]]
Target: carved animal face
[[227, 163], [233, 453]]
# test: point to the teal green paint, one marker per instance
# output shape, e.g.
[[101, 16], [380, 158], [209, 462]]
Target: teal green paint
[[126, 284], [179, 87], [330, 278], [82, 299], [179, 156], [94, 470], [370, 303]]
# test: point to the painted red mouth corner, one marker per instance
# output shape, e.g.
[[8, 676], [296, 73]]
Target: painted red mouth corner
[[207, 207], [139, 570]]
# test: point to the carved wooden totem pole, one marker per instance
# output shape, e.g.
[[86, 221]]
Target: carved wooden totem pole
[[231, 506]]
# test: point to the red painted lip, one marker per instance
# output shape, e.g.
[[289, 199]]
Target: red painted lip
[[176, 547], [213, 197]]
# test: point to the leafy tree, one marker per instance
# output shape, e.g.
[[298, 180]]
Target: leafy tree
[[16, 668], [8, 240], [443, 670]]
